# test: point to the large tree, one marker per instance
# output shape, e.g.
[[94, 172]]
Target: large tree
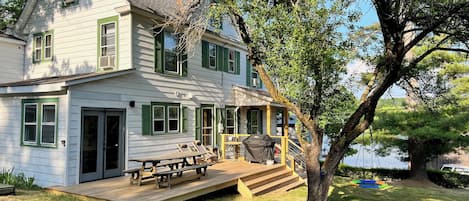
[[437, 114], [10, 11], [276, 31]]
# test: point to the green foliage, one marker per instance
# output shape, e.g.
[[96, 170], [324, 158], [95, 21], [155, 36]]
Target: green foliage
[[10, 11], [303, 52], [18, 180], [445, 179]]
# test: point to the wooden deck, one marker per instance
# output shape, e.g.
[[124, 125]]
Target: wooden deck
[[220, 175]]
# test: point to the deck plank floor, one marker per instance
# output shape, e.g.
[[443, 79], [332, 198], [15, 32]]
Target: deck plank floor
[[220, 175]]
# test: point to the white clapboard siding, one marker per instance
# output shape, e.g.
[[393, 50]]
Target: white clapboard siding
[[75, 36], [46, 165], [11, 61]]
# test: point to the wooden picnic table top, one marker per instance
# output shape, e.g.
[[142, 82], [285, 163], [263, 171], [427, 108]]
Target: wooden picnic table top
[[170, 156]]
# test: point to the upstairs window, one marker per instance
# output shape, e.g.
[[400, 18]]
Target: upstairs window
[[48, 46], [220, 58], [212, 54], [43, 46], [168, 58], [170, 53], [37, 55], [231, 61], [107, 43], [255, 81]]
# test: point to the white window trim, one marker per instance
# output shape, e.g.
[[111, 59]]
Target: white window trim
[[232, 61], [30, 123], [50, 46], [37, 48], [101, 35], [211, 127], [177, 119], [212, 56], [48, 124], [154, 119]]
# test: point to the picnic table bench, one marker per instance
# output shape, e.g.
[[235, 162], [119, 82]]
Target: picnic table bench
[[135, 173], [175, 161], [200, 169]]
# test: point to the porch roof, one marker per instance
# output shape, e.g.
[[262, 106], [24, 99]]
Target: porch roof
[[245, 96], [55, 84]]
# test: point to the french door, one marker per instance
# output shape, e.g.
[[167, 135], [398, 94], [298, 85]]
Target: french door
[[207, 126], [102, 144]]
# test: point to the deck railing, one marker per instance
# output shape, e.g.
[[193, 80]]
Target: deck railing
[[287, 152]]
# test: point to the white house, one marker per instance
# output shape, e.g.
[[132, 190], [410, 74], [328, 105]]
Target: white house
[[86, 85]]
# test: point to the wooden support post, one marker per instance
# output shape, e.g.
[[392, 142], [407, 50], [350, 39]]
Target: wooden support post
[[269, 120]]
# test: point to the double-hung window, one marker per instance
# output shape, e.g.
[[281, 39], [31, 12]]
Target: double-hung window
[[170, 53], [231, 61], [37, 48], [43, 46], [158, 119], [169, 58], [39, 122], [48, 123], [212, 54], [166, 118], [173, 118], [48, 46], [30, 115], [220, 58], [107, 43]]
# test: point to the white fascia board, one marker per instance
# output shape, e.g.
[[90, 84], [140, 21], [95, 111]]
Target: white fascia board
[[96, 78], [12, 41], [44, 88]]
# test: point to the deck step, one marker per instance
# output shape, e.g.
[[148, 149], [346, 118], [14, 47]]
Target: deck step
[[253, 183], [290, 186], [272, 186], [263, 173]]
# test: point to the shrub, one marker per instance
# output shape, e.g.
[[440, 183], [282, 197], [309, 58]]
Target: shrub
[[445, 179], [18, 180]]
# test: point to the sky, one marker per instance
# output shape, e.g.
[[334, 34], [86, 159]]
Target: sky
[[356, 67]]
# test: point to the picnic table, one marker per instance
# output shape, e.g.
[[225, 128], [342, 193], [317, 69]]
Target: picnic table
[[171, 160]]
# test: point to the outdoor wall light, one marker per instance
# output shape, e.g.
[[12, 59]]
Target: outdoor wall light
[[132, 103]]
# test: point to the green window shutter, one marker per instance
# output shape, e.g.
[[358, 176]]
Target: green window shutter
[[205, 54], [198, 126], [225, 59], [184, 119], [248, 72], [159, 51], [260, 81], [146, 120], [238, 63], [184, 65], [219, 58]]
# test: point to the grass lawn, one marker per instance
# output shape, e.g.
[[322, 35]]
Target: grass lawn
[[43, 195], [342, 190]]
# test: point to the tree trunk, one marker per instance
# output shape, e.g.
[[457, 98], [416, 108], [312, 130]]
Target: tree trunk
[[315, 179], [418, 163]]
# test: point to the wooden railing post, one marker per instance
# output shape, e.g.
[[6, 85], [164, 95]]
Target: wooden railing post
[[283, 153], [222, 147]]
